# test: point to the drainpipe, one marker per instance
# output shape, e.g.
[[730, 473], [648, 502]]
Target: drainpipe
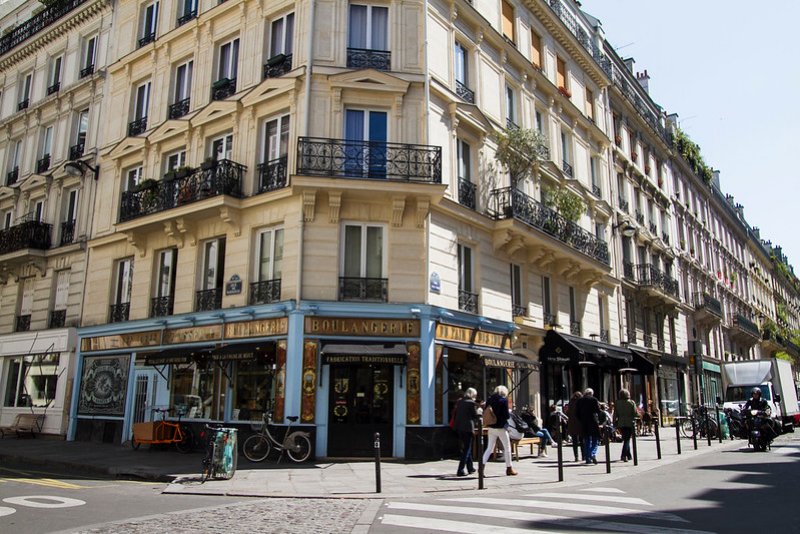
[[306, 131]]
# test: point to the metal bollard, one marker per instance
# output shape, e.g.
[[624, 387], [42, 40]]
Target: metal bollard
[[658, 439], [481, 466], [635, 451], [608, 453], [560, 457], [708, 430], [377, 462], [678, 434], [719, 423], [694, 432]]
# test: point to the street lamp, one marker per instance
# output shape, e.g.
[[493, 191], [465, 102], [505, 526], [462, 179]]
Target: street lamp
[[78, 168], [626, 228]]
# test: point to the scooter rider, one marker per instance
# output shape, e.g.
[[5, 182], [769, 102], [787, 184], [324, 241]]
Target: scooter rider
[[757, 403]]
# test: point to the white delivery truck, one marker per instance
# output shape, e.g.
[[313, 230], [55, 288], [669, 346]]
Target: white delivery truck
[[773, 377]]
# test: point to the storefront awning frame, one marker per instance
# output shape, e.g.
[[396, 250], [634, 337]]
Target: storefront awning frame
[[343, 353], [565, 349]]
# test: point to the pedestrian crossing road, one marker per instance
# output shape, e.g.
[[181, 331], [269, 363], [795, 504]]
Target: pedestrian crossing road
[[592, 509]]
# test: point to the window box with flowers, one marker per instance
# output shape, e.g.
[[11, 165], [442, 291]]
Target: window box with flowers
[[564, 91], [647, 170], [634, 156], [618, 140]]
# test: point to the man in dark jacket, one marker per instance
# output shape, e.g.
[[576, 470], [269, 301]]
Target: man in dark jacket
[[465, 422], [588, 412]]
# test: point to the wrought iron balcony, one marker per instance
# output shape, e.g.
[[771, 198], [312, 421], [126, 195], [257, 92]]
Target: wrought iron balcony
[[362, 58], [466, 193], [272, 175], [162, 306], [147, 39], [341, 158], [653, 228], [265, 292], [43, 163], [28, 234], [88, 70], [548, 318], [506, 203], [208, 299], [628, 271], [37, 23], [746, 325], [704, 301], [76, 150], [639, 217], [187, 17], [465, 93], [137, 126], [119, 313], [661, 344], [12, 176], [277, 66], [665, 238], [604, 335], [518, 310], [567, 168], [631, 335], [24, 104], [575, 328], [364, 289], [67, 233], [596, 191], [223, 88], [223, 177], [53, 88], [647, 340], [649, 276], [22, 323], [510, 124], [623, 205], [58, 318], [178, 109], [467, 301]]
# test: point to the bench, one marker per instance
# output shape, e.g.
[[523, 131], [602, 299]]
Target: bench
[[516, 443], [24, 423]]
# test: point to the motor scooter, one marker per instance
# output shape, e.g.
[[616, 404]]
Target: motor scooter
[[736, 424], [761, 430]]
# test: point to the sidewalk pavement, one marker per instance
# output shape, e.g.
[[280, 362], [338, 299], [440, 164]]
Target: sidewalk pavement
[[338, 479]]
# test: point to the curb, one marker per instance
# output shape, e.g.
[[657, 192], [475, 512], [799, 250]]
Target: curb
[[117, 472]]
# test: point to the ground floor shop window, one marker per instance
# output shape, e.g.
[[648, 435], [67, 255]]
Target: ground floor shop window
[[669, 393], [31, 380], [558, 384], [465, 370], [198, 390], [254, 389]]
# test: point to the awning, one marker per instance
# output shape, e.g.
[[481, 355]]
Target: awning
[[175, 356], [564, 349], [509, 361], [642, 363], [677, 361], [239, 351], [389, 354]]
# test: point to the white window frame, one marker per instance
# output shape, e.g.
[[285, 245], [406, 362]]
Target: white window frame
[[206, 282], [26, 296], [167, 260], [226, 142], [141, 101], [369, 30], [183, 86], [273, 233], [61, 293], [511, 104], [464, 164], [284, 44], [271, 151], [566, 146], [71, 199], [363, 267], [179, 157], [232, 54], [26, 87], [466, 261], [461, 64], [517, 284], [89, 52], [47, 141], [81, 126], [16, 155], [144, 30], [123, 281], [56, 70], [133, 177]]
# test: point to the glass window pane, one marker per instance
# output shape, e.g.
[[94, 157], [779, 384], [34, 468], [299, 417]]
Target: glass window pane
[[13, 381], [374, 252], [380, 23], [289, 35], [352, 252], [277, 261], [276, 38], [358, 27], [266, 256]]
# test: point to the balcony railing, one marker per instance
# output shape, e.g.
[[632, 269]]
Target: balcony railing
[[119, 313], [318, 156], [37, 23], [76, 150], [596, 191], [67, 233], [23, 104], [162, 306], [628, 271], [147, 39], [88, 70], [746, 325], [43, 163], [265, 292], [53, 88], [208, 299], [623, 205], [273, 174], [653, 229], [518, 310], [647, 340], [665, 238], [548, 318], [277, 66], [223, 88], [639, 217], [12, 176], [362, 58], [509, 202], [631, 334], [364, 289], [707, 302], [223, 177], [661, 344], [137, 126], [22, 323], [647, 275], [179, 109], [187, 17], [465, 93], [567, 168], [604, 335], [28, 234], [575, 328], [511, 125], [58, 318], [466, 193], [467, 301]]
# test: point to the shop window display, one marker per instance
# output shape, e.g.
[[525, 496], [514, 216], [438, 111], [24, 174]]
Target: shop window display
[[31, 381], [198, 391], [254, 389]]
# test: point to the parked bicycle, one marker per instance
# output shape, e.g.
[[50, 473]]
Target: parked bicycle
[[297, 444], [219, 460], [700, 422], [163, 432]]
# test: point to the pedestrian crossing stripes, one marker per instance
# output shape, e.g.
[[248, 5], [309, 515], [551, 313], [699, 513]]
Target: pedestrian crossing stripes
[[544, 511]]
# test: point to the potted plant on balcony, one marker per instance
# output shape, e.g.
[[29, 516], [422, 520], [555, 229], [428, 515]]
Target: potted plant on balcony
[[520, 152], [149, 193], [618, 140], [565, 92], [183, 171], [634, 156], [208, 164]]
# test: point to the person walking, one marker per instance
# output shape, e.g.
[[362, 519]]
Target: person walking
[[573, 425], [625, 419], [498, 402], [466, 421], [588, 412]]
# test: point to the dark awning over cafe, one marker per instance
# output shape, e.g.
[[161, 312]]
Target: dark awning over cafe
[[509, 361], [642, 363], [176, 356], [389, 354], [564, 349], [674, 361]]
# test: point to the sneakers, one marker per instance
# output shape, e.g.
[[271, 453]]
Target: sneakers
[[543, 453], [470, 471], [510, 472], [594, 460], [461, 474]]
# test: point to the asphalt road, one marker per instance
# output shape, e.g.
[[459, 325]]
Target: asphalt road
[[733, 491]]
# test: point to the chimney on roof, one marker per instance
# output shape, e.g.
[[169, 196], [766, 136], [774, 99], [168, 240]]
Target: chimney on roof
[[629, 63], [644, 80], [739, 210], [715, 178], [757, 232]]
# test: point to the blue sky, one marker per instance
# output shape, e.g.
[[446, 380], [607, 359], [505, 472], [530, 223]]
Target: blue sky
[[731, 71]]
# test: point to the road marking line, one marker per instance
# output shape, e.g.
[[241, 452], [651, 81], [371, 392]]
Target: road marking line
[[48, 482], [604, 490], [447, 525], [60, 502], [5, 510], [562, 521], [574, 507], [597, 498]]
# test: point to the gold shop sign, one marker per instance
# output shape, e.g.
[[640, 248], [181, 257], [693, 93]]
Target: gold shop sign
[[258, 328], [330, 326], [192, 334], [469, 336], [122, 341]]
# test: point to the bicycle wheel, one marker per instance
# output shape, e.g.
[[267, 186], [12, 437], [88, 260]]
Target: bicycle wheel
[[712, 428], [298, 447], [187, 440], [686, 428], [256, 448]]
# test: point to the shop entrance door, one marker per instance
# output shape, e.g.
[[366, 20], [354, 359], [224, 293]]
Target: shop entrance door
[[361, 403]]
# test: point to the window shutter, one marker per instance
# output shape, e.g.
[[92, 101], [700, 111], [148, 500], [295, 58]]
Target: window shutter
[[561, 73], [62, 291], [536, 49], [508, 21]]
